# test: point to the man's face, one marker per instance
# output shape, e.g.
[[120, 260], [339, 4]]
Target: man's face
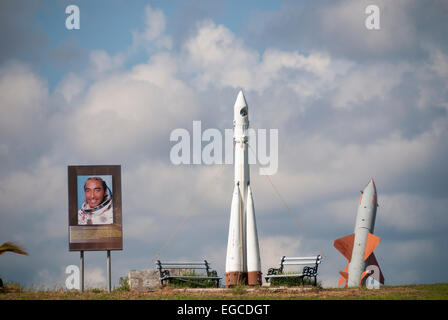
[[94, 192]]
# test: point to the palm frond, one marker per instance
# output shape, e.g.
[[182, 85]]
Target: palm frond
[[12, 247]]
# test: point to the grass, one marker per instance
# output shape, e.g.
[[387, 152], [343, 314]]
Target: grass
[[293, 281], [124, 285], [411, 292], [238, 290], [437, 291], [193, 283]]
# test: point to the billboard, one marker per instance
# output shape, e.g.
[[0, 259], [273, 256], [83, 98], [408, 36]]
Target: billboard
[[94, 208]]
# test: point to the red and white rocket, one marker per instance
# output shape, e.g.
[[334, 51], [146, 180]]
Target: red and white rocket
[[358, 247], [243, 264]]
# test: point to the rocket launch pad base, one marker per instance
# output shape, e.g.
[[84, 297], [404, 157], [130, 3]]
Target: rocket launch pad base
[[254, 278], [236, 278]]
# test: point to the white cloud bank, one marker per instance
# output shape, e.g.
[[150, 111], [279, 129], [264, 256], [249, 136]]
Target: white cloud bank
[[113, 114]]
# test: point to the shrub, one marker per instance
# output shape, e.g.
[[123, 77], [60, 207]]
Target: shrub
[[193, 283], [238, 290], [124, 285], [292, 281]]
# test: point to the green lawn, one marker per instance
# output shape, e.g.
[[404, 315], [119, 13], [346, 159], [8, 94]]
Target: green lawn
[[410, 292]]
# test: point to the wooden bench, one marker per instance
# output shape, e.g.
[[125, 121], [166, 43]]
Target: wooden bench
[[309, 270], [165, 267]]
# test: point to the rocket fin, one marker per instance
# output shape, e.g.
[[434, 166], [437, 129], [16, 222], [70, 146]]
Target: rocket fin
[[253, 250], [374, 262], [345, 245], [234, 259], [344, 276], [372, 242], [366, 273]]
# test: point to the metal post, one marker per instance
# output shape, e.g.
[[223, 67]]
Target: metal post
[[109, 282], [82, 271]]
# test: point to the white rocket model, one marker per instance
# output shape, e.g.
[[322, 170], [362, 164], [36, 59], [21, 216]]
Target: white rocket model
[[358, 247], [243, 255]]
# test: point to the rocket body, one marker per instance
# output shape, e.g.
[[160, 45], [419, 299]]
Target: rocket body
[[365, 223], [358, 247], [243, 257]]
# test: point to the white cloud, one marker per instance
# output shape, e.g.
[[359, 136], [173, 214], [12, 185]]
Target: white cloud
[[46, 280], [153, 33], [177, 190], [432, 77], [36, 191], [342, 212], [413, 213], [148, 101], [439, 62], [70, 87], [411, 250], [306, 75], [216, 256], [214, 46], [328, 167], [140, 226], [94, 278], [101, 62], [344, 22], [24, 96], [154, 23], [364, 83], [273, 248], [34, 203]]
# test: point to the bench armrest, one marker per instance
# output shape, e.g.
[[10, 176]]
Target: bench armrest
[[310, 271], [272, 271], [212, 273]]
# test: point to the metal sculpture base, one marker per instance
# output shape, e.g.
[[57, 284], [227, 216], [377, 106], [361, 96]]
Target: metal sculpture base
[[236, 278], [254, 278]]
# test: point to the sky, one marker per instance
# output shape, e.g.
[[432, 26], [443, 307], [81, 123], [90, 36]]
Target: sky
[[349, 104]]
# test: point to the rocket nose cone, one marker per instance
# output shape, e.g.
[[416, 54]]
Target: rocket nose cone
[[240, 100], [372, 182], [370, 188], [240, 108]]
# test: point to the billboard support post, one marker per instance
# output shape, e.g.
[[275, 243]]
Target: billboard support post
[[82, 270], [109, 282]]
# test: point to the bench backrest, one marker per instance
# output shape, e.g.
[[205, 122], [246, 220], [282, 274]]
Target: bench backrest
[[183, 265], [313, 260]]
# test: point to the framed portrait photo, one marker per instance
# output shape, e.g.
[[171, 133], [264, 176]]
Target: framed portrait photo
[[94, 205]]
